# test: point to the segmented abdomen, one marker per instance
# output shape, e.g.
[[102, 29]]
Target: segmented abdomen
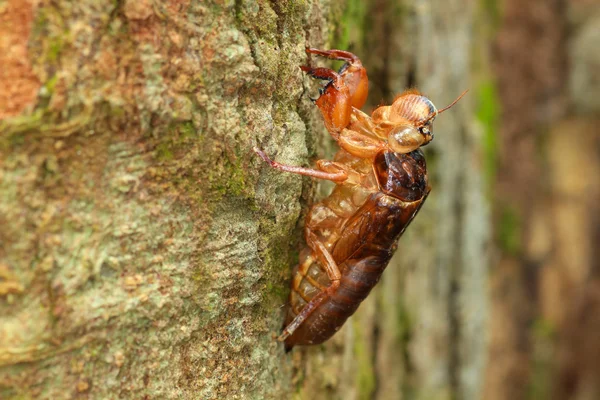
[[362, 250]]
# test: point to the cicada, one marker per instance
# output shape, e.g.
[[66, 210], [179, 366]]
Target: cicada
[[381, 184]]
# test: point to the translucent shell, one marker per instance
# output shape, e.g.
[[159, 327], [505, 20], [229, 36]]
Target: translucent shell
[[411, 107], [405, 138], [408, 109]]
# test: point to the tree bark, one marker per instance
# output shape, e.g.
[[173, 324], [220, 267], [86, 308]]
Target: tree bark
[[146, 251]]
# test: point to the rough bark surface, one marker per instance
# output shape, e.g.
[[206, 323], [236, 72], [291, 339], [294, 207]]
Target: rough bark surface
[[145, 251]]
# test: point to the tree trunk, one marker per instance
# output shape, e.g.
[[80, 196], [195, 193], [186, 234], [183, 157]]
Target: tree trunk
[[146, 251], [546, 285]]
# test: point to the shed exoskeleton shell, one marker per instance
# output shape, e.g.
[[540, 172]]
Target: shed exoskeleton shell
[[381, 184]]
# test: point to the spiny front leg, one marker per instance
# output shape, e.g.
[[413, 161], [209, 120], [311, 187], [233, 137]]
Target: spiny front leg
[[334, 102], [352, 73], [345, 89]]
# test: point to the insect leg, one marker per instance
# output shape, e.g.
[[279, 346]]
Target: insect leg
[[360, 145], [300, 318], [334, 274], [337, 176], [353, 73], [363, 123], [334, 102], [324, 256], [335, 55]]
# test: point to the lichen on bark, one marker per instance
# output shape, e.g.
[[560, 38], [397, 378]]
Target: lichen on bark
[[145, 249]]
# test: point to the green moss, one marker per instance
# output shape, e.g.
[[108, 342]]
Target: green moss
[[365, 373], [493, 11], [116, 111], [350, 26], [187, 130], [163, 152], [51, 84], [235, 183], [543, 334], [55, 47], [281, 253], [487, 113], [260, 16], [41, 22], [179, 137], [278, 292], [10, 142], [11, 394], [12, 130], [543, 329], [509, 230], [296, 6]]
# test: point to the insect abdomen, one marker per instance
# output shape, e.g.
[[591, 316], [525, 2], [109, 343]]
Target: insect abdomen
[[362, 253], [335, 310]]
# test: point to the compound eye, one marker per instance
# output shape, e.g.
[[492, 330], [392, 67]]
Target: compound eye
[[427, 133], [405, 138]]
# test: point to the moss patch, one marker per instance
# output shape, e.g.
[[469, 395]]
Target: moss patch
[[365, 372], [487, 113], [543, 334], [509, 229], [350, 29], [493, 10]]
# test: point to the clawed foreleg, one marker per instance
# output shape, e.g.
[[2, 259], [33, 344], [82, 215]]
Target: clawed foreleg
[[345, 89]]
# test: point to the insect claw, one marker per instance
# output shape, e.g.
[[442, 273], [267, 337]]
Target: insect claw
[[262, 155]]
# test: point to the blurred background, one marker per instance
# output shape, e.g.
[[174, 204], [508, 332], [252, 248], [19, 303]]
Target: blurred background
[[545, 292], [515, 229], [145, 251]]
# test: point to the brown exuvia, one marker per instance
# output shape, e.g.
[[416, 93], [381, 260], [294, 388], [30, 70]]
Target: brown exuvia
[[381, 183]]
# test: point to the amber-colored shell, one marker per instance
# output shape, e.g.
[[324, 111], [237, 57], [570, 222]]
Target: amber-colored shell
[[381, 183], [412, 107], [365, 240]]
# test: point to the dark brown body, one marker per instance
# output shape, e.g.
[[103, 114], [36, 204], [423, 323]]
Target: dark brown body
[[362, 247], [381, 183]]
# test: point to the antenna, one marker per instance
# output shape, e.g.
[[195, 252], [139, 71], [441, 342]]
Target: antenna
[[434, 114], [454, 102]]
